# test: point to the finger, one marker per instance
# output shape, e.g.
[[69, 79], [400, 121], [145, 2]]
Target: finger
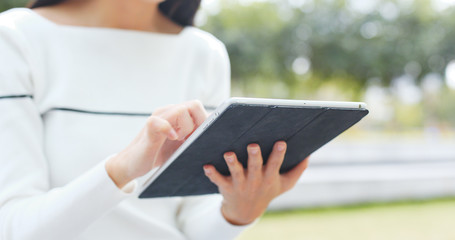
[[215, 177], [276, 159], [197, 111], [157, 128], [182, 120], [290, 178], [235, 168], [254, 161]]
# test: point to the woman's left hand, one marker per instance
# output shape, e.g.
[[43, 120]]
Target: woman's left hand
[[248, 192]]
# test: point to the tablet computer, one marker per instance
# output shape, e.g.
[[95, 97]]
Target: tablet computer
[[304, 125]]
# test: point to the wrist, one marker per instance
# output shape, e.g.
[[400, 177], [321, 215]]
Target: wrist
[[234, 219], [117, 172]]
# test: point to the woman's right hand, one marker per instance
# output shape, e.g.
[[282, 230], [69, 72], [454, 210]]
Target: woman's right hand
[[166, 129]]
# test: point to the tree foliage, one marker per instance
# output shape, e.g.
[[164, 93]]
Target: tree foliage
[[7, 4], [264, 39]]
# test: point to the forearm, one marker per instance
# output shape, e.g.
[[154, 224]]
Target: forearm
[[61, 213]]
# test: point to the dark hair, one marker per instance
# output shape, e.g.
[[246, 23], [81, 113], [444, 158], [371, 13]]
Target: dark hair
[[181, 12]]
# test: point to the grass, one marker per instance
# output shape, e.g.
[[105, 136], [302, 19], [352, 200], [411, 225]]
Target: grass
[[422, 220]]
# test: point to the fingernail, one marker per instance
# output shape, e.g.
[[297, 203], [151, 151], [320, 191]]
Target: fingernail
[[229, 158], [206, 170], [280, 146], [254, 150]]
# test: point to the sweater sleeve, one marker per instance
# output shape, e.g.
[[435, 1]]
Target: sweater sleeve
[[30, 208], [200, 217]]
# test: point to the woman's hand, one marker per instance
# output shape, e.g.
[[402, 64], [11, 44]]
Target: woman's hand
[[248, 192], [164, 132]]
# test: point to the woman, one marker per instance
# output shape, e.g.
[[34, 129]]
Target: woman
[[78, 81]]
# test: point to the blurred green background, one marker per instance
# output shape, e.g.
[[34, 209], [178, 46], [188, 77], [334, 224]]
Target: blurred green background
[[392, 221], [398, 56]]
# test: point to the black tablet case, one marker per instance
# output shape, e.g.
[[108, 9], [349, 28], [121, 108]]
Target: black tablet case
[[305, 129]]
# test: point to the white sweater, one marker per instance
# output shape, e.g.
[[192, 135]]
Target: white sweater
[[72, 96]]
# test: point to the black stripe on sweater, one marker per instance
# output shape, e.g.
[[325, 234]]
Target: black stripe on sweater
[[16, 96], [107, 113], [98, 112], [208, 108]]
